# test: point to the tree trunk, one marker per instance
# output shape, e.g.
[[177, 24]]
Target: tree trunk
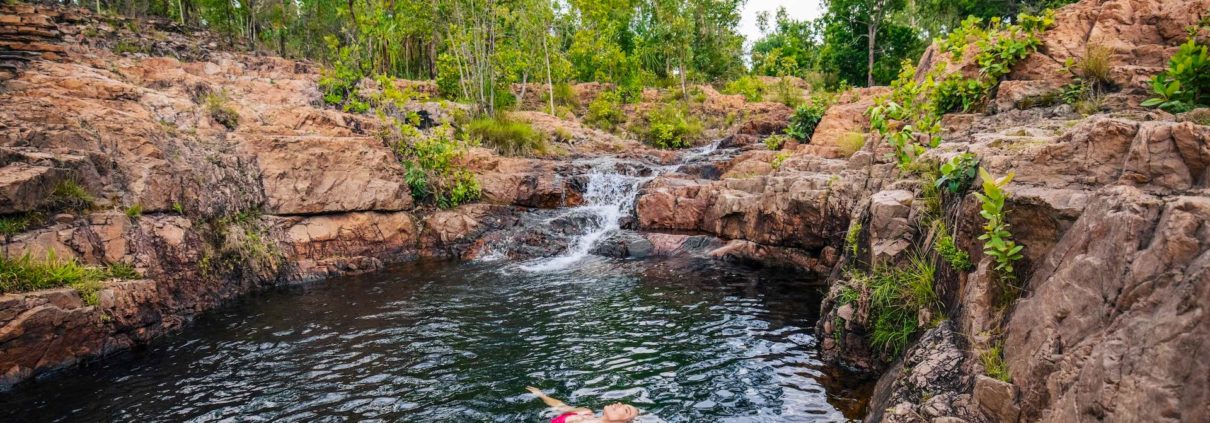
[[872, 32], [550, 84]]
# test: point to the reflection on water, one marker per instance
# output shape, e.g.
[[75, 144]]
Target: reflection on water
[[685, 341]]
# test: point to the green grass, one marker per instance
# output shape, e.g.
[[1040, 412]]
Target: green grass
[[25, 274], [70, 195], [670, 126], [993, 363], [217, 106], [896, 296], [508, 136], [775, 141], [134, 211], [850, 142], [14, 224], [949, 251]]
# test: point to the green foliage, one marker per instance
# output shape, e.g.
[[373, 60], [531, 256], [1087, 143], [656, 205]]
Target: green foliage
[[134, 211], [850, 143], [955, 93], [775, 141], [958, 173], [338, 84], [997, 240], [14, 224], [748, 86], [806, 117], [70, 195], [216, 104], [779, 159], [1185, 85], [605, 111], [993, 363], [852, 237], [565, 95], [507, 135], [24, 274], [906, 118], [671, 126], [896, 297], [949, 251], [434, 169], [1005, 45]]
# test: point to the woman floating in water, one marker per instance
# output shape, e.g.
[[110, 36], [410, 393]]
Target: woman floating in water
[[613, 413]]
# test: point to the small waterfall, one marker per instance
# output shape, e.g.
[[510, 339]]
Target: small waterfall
[[610, 195]]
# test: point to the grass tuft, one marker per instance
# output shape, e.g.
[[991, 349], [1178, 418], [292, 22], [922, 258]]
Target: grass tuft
[[993, 363], [850, 143], [217, 106], [508, 136]]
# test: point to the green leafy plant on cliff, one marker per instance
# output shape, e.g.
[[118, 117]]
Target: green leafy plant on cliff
[[997, 239], [435, 169], [775, 141], [1186, 83], [605, 111], [807, 116], [852, 238], [779, 159], [750, 87], [958, 173], [949, 251], [70, 195], [671, 126]]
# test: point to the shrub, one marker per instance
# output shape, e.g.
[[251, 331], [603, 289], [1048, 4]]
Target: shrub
[[775, 142], [670, 126], [433, 168], [997, 240], [122, 270], [806, 117], [958, 173], [222, 113], [1185, 85], [850, 142], [1094, 67], [853, 236], [565, 95], [955, 93], [14, 224], [748, 86], [788, 94], [508, 136], [605, 111], [134, 211]]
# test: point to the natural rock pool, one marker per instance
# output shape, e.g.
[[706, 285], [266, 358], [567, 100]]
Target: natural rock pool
[[685, 340]]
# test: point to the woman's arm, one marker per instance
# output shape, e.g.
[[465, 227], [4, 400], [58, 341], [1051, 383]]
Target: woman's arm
[[559, 406]]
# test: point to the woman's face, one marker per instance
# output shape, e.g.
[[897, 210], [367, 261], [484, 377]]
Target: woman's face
[[620, 413]]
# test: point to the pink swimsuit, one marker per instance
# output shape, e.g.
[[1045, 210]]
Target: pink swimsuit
[[562, 418]]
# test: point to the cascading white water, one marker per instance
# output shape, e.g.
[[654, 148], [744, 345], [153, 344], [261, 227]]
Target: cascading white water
[[609, 196]]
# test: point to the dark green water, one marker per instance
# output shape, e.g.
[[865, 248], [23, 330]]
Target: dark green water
[[684, 340]]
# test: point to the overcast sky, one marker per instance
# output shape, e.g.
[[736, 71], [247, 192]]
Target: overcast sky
[[798, 9]]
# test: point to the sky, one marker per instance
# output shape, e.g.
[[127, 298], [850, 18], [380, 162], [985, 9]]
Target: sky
[[797, 9]]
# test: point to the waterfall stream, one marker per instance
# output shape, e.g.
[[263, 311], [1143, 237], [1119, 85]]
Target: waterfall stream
[[611, 193]]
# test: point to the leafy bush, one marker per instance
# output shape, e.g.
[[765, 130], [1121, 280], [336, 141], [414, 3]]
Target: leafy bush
[[565, 95], [14, 224], [434, 169], [222, 113], [775, 142], [1185, 85], [788, 94], [134, 211], [806, 117], [850, 142], [508, 136], [748, 86], [670, 126], [997, 240], [958, 173], [955, 93], [605, 111], [853, 236]]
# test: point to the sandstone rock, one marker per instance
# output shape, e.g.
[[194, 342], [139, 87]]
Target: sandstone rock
[[764, 119], [996, 398], [352, 174], [25, 188], [847, 115], [890, 232], [1026, 94], [1085, 344]]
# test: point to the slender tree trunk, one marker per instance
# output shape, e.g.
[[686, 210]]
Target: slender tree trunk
[[524, 85], [550, 84], [871, 32]]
